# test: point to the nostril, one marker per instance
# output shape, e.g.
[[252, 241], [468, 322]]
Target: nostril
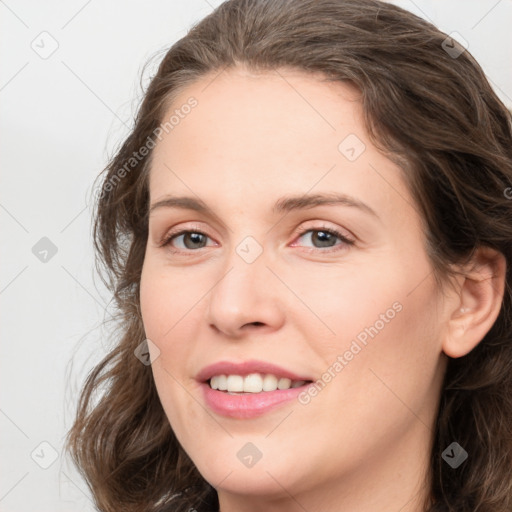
[[255, 323]]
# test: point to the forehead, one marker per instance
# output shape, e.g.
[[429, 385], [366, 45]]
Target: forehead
[[271, 113], [255, 135]]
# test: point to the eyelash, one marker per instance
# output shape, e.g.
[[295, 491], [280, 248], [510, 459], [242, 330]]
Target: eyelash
[[346, 241]]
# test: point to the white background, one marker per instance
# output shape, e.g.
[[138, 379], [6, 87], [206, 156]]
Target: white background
[[61, 118]]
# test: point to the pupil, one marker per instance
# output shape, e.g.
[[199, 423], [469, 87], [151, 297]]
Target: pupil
[[195, 237], [326, 238]]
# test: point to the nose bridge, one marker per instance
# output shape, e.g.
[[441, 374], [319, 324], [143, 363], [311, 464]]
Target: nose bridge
[[244, 292]]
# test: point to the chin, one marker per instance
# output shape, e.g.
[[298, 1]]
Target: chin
[[247, 482]]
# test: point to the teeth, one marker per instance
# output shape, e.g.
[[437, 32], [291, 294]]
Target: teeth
[[269, 383], [235, 383], [284, 384], [252, 383]]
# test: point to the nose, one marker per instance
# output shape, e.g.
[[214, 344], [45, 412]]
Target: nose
[[246, 296]]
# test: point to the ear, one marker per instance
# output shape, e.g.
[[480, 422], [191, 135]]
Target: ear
[[480, 296]]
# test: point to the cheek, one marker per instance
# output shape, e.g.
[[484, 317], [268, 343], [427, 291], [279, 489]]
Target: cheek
[[169, 317], [393, 379], [168, 300], [409, 360], [386, 343]]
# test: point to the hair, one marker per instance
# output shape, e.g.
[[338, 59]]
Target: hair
[[432, 112]]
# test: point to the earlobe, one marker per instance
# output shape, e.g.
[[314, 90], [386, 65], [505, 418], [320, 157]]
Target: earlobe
[[479, 302]]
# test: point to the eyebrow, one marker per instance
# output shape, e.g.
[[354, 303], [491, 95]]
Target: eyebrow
[[283, 204]]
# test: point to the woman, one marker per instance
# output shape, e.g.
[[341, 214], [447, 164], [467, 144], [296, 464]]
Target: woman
[[307, 234]]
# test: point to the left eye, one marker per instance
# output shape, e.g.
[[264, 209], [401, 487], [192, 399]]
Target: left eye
[[324, 237]]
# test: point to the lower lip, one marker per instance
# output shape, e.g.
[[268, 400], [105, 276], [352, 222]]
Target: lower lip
[[248, 405]]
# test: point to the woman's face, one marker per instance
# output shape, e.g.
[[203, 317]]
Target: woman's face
[[260, 278]]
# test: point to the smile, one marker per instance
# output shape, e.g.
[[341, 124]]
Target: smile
[[245, 405]]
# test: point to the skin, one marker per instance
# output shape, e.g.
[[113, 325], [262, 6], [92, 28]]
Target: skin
[[363, 443]]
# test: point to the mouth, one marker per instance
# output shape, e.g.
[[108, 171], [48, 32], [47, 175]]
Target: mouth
[[249, 389], [250, 396]]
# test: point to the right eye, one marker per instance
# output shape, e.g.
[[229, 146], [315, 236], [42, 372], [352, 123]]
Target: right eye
[[190, 240]]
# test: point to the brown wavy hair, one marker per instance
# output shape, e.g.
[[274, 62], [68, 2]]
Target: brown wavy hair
[[432, 112]]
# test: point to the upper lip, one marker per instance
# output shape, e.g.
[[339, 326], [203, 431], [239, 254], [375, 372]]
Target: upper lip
[[245, 368]]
